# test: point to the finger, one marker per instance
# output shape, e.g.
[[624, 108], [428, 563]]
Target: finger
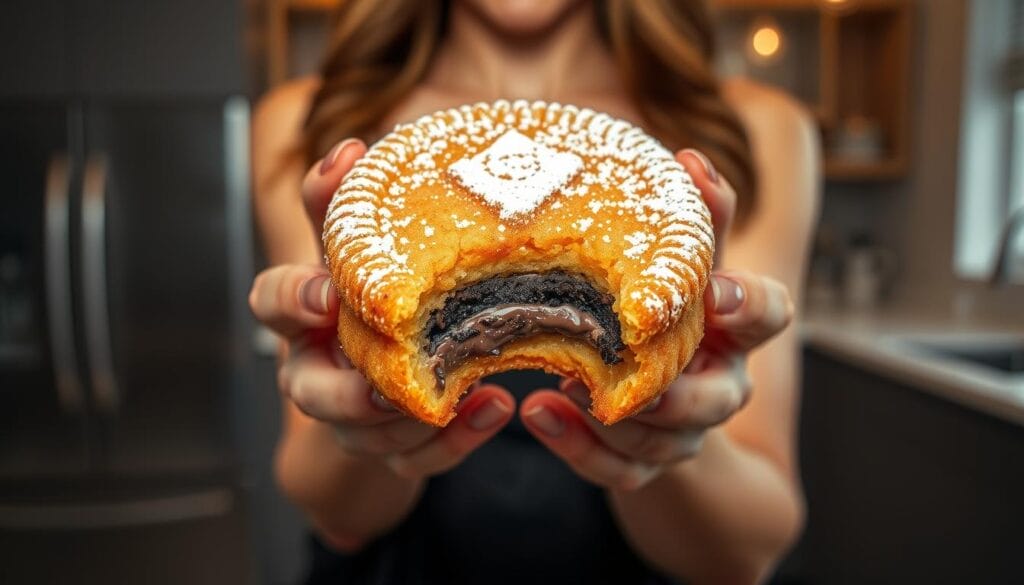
[[648, 443], [718, 194], [639, 440], [559, 424], [386, 438], [323, 178], [745, 309], [480, 416], [702, 358], [578, 392], [292, 298], [312, 380], [702, 400]]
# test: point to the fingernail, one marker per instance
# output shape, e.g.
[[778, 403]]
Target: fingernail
[[579, 394], [332, 157], [698, 362], [728, 294], [488, 415], [469, 392], [546, 421], [380, 402], [315, 293], [708, 167]]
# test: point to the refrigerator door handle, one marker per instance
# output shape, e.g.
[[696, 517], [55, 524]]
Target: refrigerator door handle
[[70, 395], [106, 395], [239, 219]]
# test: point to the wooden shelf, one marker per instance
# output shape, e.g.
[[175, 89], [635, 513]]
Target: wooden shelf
[[860, 80], [281, 15]]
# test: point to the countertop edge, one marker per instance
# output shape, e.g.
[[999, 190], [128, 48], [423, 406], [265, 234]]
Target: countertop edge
[[878, 350]]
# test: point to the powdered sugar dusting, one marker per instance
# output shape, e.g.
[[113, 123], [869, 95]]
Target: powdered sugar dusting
[[639, 242], [583, 224], [516, 174]]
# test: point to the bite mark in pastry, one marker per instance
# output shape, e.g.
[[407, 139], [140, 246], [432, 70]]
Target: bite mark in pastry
[[519, 235]]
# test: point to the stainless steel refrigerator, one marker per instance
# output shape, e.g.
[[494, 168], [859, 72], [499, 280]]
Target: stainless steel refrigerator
[[125, 247], [124, 252]]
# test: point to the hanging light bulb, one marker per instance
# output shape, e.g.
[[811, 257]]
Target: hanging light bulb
[[766, 40]]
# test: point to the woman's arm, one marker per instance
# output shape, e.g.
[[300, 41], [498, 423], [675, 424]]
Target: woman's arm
[[728, 514], [331, 486], [704, 499], [354, 465]]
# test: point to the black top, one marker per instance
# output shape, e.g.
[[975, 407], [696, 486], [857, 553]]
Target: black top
[[510, 513]]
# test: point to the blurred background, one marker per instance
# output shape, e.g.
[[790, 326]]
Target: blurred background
[[138, 409]]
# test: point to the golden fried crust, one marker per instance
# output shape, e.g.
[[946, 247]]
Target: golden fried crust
[[616, 391], [407, 226]]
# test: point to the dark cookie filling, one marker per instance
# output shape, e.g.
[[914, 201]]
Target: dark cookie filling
[[478, 319]]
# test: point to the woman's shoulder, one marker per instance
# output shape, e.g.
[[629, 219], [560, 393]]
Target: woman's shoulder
[[292, 95], [784, 141], [767, 110], [279, 114]]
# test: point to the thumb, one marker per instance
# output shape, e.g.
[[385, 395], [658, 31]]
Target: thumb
[[718, 195], [324, 177]]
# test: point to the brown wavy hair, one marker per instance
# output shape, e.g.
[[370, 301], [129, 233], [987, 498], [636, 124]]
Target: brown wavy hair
[[380, 49]]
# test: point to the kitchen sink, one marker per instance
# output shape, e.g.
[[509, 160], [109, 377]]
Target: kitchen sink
[[1002, 353], [1006, 359]]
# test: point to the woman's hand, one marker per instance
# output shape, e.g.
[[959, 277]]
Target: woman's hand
[[299, 303], [742, 311]]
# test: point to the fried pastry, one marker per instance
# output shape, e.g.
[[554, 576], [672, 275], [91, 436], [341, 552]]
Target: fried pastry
[[519, 235]]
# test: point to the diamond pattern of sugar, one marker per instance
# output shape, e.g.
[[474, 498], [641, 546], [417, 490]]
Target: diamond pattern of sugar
[[516, 174]]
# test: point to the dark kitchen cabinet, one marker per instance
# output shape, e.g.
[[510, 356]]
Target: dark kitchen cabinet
[[194, 540], [122, 48], [903, 486]]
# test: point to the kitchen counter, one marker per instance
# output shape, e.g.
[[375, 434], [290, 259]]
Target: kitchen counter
[[887, 340]]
